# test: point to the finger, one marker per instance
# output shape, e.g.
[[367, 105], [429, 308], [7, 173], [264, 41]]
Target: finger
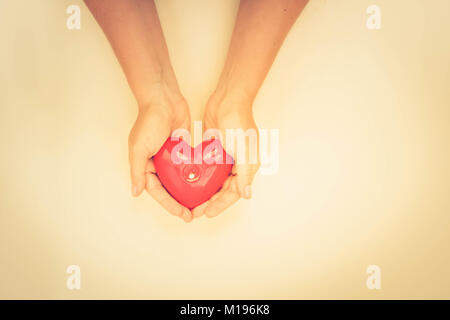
[[244, 178], [200, 210], [223, 199], [187, 215], [138, 160], [157, 192]]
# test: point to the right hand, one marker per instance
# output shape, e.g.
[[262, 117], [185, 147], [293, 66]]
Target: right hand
[[155, 122], [231, 113]]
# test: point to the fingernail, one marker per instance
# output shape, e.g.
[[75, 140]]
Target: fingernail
[[248, 192], [134, 190]]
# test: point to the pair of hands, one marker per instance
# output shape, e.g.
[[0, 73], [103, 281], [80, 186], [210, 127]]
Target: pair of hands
[[136, 36], [157, 119]]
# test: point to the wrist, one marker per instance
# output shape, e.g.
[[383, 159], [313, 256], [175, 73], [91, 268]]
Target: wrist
[[236, 84], [160, 92], [222, 105], [232, 98]]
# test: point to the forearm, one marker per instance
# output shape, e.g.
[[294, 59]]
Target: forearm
[[260, 29], [134, 31]]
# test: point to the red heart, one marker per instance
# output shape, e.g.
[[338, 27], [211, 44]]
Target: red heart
[[192, 175]]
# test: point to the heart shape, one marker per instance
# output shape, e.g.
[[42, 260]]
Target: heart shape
[[192, 175]]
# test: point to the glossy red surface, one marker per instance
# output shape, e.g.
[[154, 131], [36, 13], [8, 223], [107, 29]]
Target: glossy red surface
[[192, 175]]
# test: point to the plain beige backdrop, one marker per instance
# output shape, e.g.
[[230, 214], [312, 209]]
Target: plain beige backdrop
[[364, 177]]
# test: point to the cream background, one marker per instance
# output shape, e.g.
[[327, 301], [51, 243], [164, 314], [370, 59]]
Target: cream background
[[364, 159]]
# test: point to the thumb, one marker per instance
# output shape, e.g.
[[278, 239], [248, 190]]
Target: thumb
[[138, 160], [244, 178]]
